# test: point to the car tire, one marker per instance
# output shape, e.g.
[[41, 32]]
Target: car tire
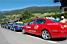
[[10, 28], [23, 31], [6, 27], [45, 35]]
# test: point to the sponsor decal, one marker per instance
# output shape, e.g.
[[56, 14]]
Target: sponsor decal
[[36, 27]]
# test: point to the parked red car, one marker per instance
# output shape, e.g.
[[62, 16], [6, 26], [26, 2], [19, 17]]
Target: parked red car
[[46, 28]]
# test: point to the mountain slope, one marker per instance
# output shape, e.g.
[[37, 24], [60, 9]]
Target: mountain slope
[[34, 9]]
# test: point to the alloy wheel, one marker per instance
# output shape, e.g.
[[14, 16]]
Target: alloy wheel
[[45, 34]]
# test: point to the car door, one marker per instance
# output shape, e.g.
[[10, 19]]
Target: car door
[[39, 24], [30, 27]]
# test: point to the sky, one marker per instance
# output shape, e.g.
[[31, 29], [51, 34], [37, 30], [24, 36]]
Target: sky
[[6, 5]]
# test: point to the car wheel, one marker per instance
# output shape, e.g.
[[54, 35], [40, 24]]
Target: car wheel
[[10, 28], [23, 31], [45, 35]]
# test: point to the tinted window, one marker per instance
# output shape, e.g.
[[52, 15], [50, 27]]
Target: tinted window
[[19, 24], [31, 22], [55, 20], [40, 22]]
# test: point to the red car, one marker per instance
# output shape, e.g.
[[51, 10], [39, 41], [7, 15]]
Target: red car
[[46, 28]]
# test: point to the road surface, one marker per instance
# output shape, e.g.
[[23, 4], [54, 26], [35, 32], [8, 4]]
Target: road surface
[[11, 37]]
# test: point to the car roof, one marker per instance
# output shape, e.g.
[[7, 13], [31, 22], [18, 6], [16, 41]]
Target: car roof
[[44, 19]]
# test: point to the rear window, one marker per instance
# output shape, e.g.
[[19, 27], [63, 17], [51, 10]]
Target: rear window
[[55, 20]]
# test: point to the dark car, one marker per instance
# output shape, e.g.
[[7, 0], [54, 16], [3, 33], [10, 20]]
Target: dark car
[[18, 26], [9, 25], [2, 25]]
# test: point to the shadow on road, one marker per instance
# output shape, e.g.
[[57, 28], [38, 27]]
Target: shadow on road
[[55, 39], [58, 39], [18, 30]]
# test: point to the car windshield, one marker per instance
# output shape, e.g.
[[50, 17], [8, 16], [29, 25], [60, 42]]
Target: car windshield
[[10, 24], [19, 24]]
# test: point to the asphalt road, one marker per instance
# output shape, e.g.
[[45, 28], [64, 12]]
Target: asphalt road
[[11, 37]]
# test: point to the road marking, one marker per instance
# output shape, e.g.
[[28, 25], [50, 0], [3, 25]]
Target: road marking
[[40, 38], [52, 42], [19, 32]]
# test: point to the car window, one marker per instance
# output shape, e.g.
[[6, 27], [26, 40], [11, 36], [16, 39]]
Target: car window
[[56, 20], [31, 22], [16, 23], [22, 24], [19, 24], [40, 22]]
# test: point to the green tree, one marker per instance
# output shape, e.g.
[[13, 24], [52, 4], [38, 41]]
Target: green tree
[[26, 15]]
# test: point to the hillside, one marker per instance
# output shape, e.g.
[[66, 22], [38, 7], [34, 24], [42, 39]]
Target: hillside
[[43, 9], [34, 9]]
